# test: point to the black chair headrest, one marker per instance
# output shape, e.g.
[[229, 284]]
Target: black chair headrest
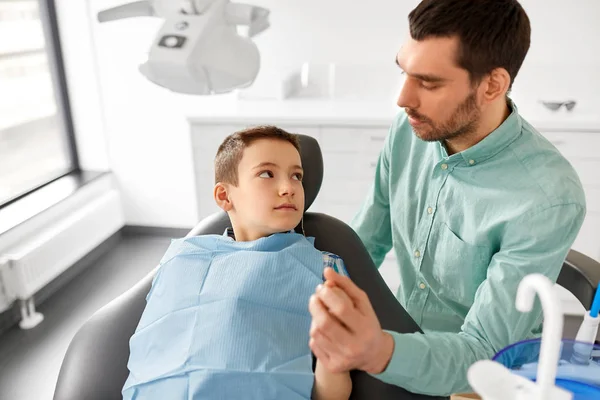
[[312, 163]]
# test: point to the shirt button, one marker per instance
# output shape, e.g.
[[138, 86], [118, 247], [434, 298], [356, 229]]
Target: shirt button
[[472, 162], [422, 285], [429, 210], [417, 253], [444, 166]]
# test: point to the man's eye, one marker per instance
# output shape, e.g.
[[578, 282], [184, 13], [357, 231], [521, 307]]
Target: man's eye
[[298, 176], [266, 174], [429, 87]]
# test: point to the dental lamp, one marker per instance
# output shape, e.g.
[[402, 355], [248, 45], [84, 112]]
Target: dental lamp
[[198, 49]]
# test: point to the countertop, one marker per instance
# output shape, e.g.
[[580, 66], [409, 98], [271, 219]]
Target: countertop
[[369, 113]]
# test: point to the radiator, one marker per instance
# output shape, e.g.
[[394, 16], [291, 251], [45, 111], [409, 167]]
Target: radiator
[[43, 257]]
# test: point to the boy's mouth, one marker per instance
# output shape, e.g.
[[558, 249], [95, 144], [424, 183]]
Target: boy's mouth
[[286, 206]]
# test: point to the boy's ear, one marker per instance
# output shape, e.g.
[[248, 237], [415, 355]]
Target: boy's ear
[[222, 197]]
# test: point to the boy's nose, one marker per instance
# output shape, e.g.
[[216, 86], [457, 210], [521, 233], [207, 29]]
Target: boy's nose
[[286, 189]]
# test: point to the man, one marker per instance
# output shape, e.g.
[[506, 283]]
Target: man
[[470, 197]]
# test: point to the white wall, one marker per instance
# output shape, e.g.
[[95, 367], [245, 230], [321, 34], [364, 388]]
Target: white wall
[[145, 126], [349, 32]]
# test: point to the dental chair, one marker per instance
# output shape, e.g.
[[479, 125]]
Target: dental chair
[[95, 365]]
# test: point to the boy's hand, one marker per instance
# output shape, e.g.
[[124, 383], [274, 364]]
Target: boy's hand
[[345, 332]]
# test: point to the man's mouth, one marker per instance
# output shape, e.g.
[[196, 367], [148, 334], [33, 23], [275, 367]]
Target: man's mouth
[[415, 120], [286, 206]]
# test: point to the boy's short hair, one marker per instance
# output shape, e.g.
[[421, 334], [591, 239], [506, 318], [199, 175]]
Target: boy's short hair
[[231, 150]]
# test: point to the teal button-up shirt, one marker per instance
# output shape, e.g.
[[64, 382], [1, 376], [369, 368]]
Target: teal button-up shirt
[[466, 229]]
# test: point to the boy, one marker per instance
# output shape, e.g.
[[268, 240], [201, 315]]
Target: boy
[[227, 316]]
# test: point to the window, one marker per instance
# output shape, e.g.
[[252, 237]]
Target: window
[[36, 134]]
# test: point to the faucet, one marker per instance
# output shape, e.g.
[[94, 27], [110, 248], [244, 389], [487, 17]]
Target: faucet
[[493, 381]]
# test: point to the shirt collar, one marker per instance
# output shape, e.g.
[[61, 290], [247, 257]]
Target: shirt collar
[[493, 143]]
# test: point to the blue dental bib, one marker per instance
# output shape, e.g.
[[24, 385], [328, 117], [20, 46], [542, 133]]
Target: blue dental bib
[[227, 320]]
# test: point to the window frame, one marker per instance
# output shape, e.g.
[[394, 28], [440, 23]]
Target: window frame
[[53, 51]]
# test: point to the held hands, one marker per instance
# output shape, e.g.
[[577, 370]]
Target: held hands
[[345, 333]]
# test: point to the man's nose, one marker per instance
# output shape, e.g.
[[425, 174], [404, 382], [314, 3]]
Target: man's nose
[[408, 97]]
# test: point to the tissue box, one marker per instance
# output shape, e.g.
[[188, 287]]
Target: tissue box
[[465, 396]]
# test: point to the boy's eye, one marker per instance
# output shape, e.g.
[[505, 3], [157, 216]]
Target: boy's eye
[[266, 174], [297, 176]]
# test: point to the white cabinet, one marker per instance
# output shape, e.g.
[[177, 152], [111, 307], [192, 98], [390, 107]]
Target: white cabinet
[[588, 240], [575, 145], [349, 158], [581, 150]]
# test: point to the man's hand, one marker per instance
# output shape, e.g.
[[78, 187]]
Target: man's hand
[[345, 332]]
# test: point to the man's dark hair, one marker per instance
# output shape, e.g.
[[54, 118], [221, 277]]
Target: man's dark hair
[[492, 33]]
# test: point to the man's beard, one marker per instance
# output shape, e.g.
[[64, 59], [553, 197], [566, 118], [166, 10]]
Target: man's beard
[[463, 122]]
